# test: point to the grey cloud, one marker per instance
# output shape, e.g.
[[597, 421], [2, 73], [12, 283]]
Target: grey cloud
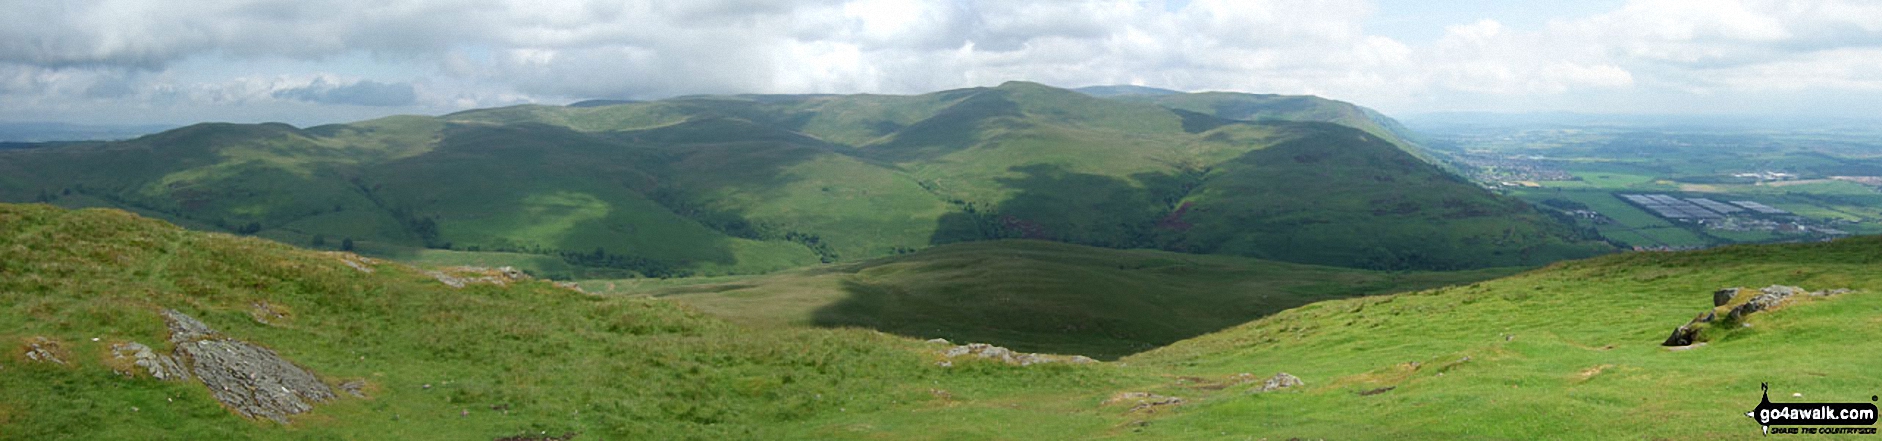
[[363, 93]]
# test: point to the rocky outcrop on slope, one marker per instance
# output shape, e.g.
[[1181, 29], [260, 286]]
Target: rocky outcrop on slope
[[1726, 305], [133, 355], [1004, 355], [45, 350], [461, 276], [250, 380], [1277, 382]]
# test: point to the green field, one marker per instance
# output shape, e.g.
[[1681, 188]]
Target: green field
[[1807, 171], [1570, 351]]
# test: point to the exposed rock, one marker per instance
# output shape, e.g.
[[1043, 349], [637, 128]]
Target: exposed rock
[[159, 366], [45, 350], [1723, 296], [447, 279], [939, 341], [1008, 356], [1768, 298], [251, 380], [572, 286], [267, 313], [1682, 336], [356, 388], [362, 264], [185, 328], [1142, 401], [1279, 381], [461, 276]]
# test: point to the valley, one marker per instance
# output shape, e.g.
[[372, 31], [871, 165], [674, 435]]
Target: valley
[[1813, 181]]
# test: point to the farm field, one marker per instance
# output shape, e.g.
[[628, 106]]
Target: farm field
[[1825, 185]]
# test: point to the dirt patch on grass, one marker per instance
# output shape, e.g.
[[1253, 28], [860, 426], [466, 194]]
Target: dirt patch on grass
[[1590, 372]]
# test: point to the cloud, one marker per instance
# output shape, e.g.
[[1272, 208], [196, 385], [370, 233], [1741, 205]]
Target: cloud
[[1646, 55], [363, 93]]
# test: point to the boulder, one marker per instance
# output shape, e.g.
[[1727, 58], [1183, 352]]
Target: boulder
[[1723, 296], [1682, 336]]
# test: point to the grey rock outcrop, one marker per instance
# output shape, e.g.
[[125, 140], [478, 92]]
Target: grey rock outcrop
[[356, 388], [184, 328], [1723, 296], [159, 366], [251, 380], [1142, 401], [1008, 356], [1767, 298], [45, 350], [462, 276], [1279, 381]]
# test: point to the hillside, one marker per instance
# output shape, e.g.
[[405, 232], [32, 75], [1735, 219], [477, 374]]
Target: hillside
[[757, 183], [1035, 296], [1571, 351], [499, 358]]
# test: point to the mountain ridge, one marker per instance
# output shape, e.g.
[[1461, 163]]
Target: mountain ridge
[[751, 183]]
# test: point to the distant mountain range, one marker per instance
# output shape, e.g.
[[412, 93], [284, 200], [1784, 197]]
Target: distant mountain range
[[30, 132], [755, 183]]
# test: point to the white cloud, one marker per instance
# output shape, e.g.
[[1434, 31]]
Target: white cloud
[[455, 54]]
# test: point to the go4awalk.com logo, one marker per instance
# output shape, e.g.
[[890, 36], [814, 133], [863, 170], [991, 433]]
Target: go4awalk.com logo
[[1812, 418]]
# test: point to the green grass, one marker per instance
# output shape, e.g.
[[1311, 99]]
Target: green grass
[[671, 372], [1037, 296], [1565, 352]]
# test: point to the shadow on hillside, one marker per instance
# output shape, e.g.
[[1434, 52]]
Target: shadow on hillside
[[1055, 298], [1027, 325], [1052, 203], [604, 201], [953, 129]]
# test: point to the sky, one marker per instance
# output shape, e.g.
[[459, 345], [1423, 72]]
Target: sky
[[313, 62]]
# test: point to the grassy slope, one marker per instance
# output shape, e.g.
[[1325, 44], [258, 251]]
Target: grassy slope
[[1038, 296], [1572, 349], [671, 373], [1340, 197], [1566, 352]]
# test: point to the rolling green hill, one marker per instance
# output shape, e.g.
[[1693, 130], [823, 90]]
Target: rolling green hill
[[1571, 351], [1036, 296], [757, 183]]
